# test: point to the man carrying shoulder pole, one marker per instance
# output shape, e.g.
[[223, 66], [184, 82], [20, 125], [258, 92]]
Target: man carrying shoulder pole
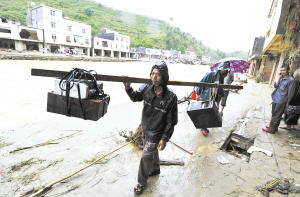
[[159, 117]]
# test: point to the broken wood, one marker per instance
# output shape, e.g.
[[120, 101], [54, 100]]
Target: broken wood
[[99, 77], [168, 163]]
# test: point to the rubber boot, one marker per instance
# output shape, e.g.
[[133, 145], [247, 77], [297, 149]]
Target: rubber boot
[[276, 126], [272, 127]]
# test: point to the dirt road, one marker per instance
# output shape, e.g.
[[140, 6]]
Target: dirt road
[[62, 145]]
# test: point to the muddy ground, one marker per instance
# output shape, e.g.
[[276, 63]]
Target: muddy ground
[[61, 145]]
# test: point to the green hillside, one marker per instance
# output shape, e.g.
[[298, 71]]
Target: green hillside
[[143, 30]]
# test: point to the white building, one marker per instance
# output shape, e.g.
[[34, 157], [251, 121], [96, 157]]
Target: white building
[[60, 33], [112, 44], [189, 55], [15, 36]]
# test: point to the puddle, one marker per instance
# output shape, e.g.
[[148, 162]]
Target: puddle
[[238, 145]]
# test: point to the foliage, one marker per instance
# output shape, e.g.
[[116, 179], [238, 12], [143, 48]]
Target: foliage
[[143, 31], [291, 38], [259, 79], [88, 11]]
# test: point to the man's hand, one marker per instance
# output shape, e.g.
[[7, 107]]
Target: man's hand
[[197, 97], [161, 146], [126, 84]]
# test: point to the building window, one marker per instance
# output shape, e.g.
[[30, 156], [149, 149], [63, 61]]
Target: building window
[[117, 38], [87, 41], [126, 40], [83, 31], [122, 39], [126, 47], [2, 30], [68, 39], [53, 25], [69, 28], [116, 46], [52, 12], [104, 43], [122, 46], [110, 45], [54, 36], [97, 43]]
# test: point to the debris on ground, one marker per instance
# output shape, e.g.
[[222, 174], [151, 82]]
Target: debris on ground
[[281, 185], [223, 160], [138, 134], [254, 148], [168, 163]]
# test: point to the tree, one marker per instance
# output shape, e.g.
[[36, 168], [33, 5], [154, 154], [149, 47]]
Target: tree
[[24, 34], [88, 11]]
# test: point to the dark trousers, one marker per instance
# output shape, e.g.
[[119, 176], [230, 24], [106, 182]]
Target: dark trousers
[[149, 162], [277, 111], [224, 98]]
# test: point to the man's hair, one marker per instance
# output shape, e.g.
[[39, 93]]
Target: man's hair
[[163, 70], [285, 66], [297, 72]]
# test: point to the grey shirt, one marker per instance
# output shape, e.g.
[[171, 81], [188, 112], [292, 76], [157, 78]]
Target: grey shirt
[[284, 91], [229, 77]]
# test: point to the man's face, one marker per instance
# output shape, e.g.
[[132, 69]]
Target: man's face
[[155, 77], [283, 71]]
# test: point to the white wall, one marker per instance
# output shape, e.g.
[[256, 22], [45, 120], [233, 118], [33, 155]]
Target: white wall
[[275, 20]]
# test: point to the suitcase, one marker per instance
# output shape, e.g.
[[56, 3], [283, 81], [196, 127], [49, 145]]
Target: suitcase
[[93, 109], [204, 114]]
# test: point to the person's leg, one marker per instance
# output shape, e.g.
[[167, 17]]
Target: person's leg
[[150, 149], [277, 111], [155, 166], [223, 101]]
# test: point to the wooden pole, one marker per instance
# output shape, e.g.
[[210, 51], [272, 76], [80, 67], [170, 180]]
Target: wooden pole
[[99, 77]]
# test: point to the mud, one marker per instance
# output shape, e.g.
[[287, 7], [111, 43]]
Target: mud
[[25, 123]]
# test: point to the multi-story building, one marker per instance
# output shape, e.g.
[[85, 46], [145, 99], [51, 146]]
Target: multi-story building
[[112, 44], [273, 47], [60, 33], [15, 36]]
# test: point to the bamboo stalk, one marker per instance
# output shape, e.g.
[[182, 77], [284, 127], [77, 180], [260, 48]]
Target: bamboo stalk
[[99, 159], [181, 148]]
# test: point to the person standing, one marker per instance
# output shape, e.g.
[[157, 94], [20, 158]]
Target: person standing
[[292, 120], [159, 117], [281, 97], [227, 80], [205, 93]]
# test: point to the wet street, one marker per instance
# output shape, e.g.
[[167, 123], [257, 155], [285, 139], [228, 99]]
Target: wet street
[[62, 145]]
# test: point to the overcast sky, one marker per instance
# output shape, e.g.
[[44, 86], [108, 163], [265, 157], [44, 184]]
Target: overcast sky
[[227, 25]]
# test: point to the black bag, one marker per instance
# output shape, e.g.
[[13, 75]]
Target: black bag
[[205, 114]]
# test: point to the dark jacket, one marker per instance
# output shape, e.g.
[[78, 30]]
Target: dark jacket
[[210, 77], [296, 97], [160, 113]]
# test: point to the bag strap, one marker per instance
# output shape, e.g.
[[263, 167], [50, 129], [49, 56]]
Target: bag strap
[[79, 98]]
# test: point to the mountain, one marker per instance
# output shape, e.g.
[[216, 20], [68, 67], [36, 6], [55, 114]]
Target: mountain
[[143, 30]]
